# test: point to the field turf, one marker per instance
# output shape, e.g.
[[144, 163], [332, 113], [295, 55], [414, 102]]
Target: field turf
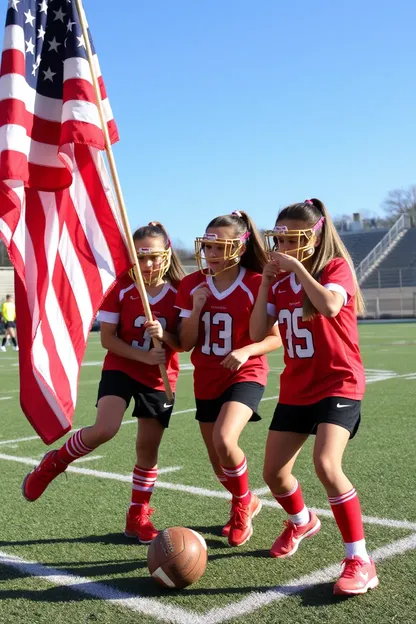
[[63, 559]]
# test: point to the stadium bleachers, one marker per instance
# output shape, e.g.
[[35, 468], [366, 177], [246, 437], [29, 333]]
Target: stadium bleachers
[[359, 244], [398, 268]]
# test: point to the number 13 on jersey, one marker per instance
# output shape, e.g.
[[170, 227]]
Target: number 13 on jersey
[[223, 323]]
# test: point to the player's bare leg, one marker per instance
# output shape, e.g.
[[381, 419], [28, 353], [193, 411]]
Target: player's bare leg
[[227, 430], [138, 523], [359, 572], [282, 449], [110, 413], [207, 432]]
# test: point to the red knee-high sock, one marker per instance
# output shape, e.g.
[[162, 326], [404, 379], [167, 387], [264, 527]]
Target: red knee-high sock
[[294, 505], [73, 449], [237, 480], [347, 513], [144, 480], [224, 481]]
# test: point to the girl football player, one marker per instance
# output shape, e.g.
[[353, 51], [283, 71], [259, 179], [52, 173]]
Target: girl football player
[[310, 288], [131, 371], [230, 371]]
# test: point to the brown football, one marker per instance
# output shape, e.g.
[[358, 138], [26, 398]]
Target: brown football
[[177, 557]]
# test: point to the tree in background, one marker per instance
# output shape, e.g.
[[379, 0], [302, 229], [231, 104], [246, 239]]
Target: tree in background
[[401, 201]]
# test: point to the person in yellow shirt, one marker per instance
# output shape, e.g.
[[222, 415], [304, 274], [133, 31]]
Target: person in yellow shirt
[[8, 313]]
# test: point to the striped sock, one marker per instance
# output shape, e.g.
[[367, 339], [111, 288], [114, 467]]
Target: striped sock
[[144, 480], [224, 481], [237, 480], [347, 513], [293, 504], [73, 449]]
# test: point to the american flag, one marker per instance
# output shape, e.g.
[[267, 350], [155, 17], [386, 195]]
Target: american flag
[[58, 218]]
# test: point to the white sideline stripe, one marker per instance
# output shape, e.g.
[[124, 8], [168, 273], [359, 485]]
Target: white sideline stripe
[[257, 600], [125, 422], [169, 469], [88, 458], [5, 398], [130, 421], [261, 491], [190, 489], [84, 585], [252, 602]]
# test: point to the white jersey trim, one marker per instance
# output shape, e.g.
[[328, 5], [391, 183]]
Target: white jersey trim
[[295, 286], [184, 313], [225, 293], [124, 291], [272, 310], [338, 289], [248, 291], [109, 317]]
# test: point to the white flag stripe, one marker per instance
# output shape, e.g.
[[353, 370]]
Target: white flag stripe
[[15, 86], [14, 38], [81, 111], [76, 278], [91, 227]]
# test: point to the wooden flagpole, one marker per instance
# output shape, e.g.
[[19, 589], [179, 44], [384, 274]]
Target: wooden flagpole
[[117, 187]]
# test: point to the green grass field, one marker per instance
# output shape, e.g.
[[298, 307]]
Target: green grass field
[[63, 559]]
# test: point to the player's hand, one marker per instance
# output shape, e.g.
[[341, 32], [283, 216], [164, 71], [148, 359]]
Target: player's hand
[[270, 273], [235, 360], [156, 356], [284, 262], [200, 296], [154, 329]]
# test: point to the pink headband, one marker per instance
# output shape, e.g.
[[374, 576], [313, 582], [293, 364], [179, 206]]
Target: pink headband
[[236, 213], [318, 224], [308, 201]]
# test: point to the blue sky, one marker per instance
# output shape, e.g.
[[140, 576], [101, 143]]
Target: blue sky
[[251, 105]]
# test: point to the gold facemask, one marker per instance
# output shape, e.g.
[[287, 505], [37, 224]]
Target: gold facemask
[[232, 248], [159, 269], [306, 240]]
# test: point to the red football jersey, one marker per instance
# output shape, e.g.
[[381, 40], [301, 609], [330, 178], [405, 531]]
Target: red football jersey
[[124, 307], [322, 356], [223, 327]]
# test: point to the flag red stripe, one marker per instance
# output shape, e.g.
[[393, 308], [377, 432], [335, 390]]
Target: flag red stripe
[[36, 225]]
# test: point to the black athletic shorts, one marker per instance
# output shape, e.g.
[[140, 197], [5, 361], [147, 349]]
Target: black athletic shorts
[[248, 393], [305, 418], [148, 403], [9, 324]]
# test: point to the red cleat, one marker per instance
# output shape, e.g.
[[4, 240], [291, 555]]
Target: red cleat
[[227, 527], [357, 577], [241, 523], [139, 525], [37, 481], [288, 542]]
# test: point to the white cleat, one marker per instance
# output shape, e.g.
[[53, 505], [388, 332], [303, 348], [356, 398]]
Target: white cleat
[[3, 349]]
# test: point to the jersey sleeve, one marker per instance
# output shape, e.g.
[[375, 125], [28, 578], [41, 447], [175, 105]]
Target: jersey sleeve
[[110, 307], [184, 300], [271, 302], [338, 277]]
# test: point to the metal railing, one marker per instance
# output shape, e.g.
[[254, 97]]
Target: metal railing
[[364, 268], [402, 306], [391, 278]]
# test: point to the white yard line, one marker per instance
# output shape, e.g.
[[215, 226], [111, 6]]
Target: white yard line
[[198, 491], [257, 600], [84, 585], [5, 398], [88, 458], [176, 615]]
